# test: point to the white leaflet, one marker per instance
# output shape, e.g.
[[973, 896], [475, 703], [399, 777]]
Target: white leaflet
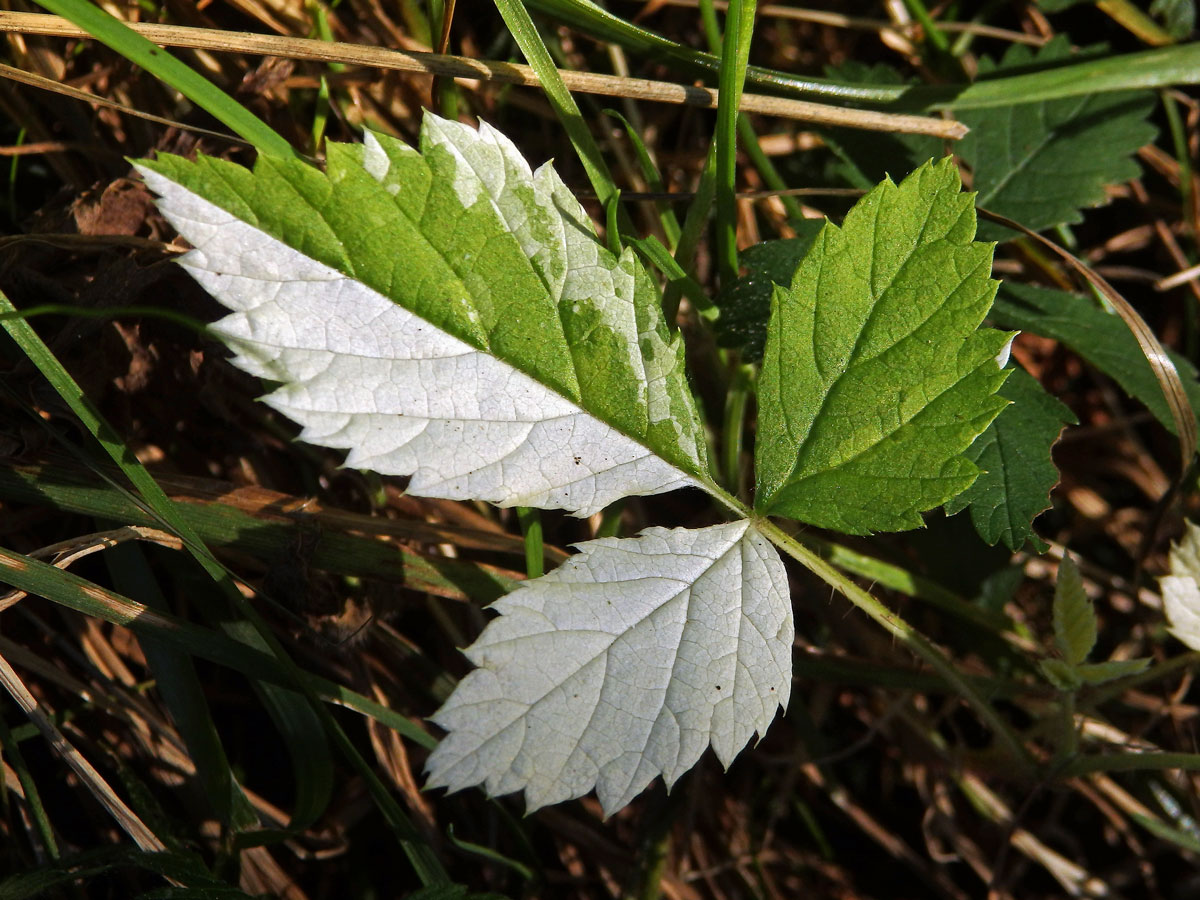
[[360, 372], [1181, 593], [623, 664]]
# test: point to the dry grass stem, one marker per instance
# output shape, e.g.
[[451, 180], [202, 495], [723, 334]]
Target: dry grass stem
[[838, 20], [93, 780], [486, 70]]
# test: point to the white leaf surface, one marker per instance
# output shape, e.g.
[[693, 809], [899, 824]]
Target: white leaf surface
[[623, 664], [1181, 589]]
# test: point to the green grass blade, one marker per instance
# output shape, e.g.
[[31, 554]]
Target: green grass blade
[[69, 590], [302, 720], [297, 722], [84, 867], [933, 34], [660, 257], [666, 215], [745, 130], [1161, 830], [735, 54], [491, 854], [138, 50], [694, 224], [1132, 761], [1151, 68], [182, 693], [1005, 735], [531, 528], [303, 734], [766, 168], [348, 543], [599, 23], [516, 17], [1145, 69], [33, 799]]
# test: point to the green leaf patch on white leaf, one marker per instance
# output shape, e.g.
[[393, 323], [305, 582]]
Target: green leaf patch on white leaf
[[623, 664], [448, 315]]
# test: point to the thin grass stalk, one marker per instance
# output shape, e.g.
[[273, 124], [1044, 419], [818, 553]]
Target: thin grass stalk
[[735, 55], [33, 799], [125, 817]]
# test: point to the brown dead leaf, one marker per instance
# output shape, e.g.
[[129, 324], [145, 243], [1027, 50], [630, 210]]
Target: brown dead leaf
[[121, 208]]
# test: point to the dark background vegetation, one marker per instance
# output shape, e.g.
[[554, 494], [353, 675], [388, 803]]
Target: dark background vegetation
[[878, 783]]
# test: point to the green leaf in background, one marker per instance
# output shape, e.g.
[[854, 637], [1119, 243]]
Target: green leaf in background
[[1058, 673], [746, 304], [1053, 6], [876, 377], [1111, 670], [1177, 16], [1018, 471], [1040, 163], [1100, 338], [1074, 617]]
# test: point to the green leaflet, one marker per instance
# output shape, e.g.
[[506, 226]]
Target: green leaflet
[[1040, 163], [1053, 6], [461, 237], [1017, 470], [1074, 617], [875, 377], [1075, 630], [1111, 670]]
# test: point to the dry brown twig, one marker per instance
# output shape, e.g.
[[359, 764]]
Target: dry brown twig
[[487, 70]]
